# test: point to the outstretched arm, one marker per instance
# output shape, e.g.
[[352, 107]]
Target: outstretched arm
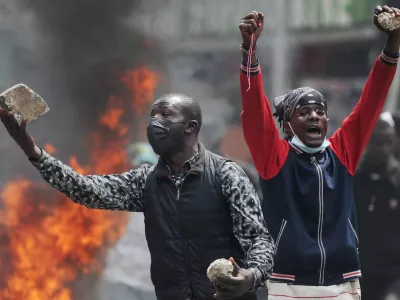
[[111, 192], [349, 141], [114, 192], [269, 152]]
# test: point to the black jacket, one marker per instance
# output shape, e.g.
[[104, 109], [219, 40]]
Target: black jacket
[[377, 199], [186, 233]]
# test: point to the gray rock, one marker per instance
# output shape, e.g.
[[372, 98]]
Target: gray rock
[[23, 102], [388, 21]]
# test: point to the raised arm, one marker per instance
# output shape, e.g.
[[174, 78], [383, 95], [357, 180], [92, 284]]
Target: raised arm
[[114, 192], [269, 152], [349, 141]]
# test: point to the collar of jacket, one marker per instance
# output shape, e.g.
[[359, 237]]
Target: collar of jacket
[[161, 169]]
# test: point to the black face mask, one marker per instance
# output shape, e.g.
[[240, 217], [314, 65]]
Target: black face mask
[[165, 137]]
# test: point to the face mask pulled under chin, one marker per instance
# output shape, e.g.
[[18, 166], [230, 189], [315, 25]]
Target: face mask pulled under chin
[[295, 141], [165, 137]]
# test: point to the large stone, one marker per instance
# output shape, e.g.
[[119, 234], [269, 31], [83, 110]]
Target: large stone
[[219, 267], [389, 21], [23, 102]]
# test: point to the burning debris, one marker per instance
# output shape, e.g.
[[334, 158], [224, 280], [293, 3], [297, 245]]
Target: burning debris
[[47, 240], [89, 67]]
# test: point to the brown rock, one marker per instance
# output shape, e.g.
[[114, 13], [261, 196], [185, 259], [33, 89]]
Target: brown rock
[[23, 102]]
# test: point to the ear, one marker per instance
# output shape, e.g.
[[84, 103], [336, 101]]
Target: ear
[[287, 129], [191, 127]]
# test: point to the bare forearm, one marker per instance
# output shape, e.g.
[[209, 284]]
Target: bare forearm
[[392, 44], [34, 154], [246, 57]]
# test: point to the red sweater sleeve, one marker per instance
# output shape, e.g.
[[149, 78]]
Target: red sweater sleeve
[[349, 141], [269, 152]]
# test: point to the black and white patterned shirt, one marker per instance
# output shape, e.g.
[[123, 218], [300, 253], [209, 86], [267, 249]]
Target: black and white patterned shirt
[[125, 192]]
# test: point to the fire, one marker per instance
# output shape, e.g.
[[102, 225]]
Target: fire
[[111, 119], [144, 78], [50, 148], [50, 241]]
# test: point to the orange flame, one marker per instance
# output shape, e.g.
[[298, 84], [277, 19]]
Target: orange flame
[[141, 77], [50, 148], [51, 240], [111, 119]]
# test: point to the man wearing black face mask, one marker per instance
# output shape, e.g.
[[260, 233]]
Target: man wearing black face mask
[[198, 206], [165, 136]]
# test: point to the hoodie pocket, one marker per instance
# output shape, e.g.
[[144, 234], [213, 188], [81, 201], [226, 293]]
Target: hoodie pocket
[[283, 225], [354, 232]]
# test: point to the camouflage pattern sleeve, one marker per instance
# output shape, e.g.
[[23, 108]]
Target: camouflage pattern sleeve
[[248, 222], [111, 192]]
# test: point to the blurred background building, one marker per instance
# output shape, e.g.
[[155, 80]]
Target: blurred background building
[[100, 64]]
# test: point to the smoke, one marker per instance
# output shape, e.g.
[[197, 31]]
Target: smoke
[[199, 75], [72, 53]]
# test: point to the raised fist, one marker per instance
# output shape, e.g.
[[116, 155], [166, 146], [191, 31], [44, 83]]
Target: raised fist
[[251, 23], [392, 16]]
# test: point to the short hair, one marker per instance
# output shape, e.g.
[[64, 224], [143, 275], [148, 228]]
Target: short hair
[[190, 108], [192, 111]]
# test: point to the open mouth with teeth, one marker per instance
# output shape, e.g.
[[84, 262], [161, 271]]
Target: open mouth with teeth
[[314, 132]]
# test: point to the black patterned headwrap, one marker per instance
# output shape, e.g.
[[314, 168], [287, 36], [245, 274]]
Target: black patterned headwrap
[[287, 104]]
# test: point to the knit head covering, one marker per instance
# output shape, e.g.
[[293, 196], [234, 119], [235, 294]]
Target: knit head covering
[[287, 104]]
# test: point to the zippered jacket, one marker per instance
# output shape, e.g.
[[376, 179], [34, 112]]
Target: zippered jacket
[[308, 199]]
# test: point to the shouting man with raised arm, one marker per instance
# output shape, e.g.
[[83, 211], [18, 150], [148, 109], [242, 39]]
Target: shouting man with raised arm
[[306, 177], [198, 206]]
